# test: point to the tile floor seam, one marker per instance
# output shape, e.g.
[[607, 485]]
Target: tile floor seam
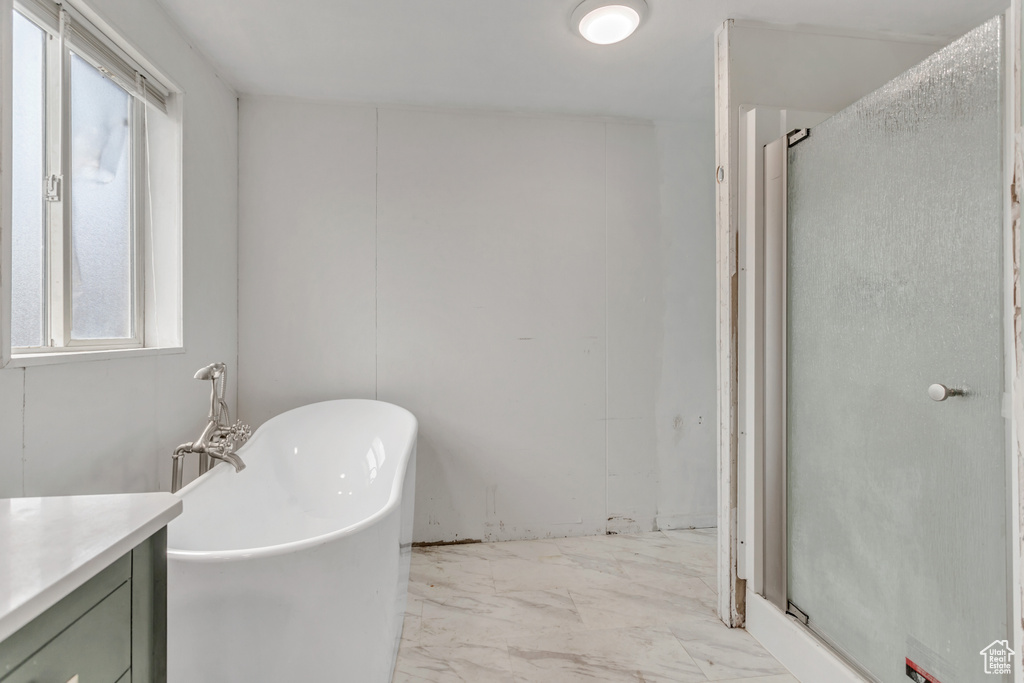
[[689, 654], [576, 609], [508, 656]]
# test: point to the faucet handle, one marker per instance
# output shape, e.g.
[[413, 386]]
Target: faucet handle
[[234, 436], [242, 430]]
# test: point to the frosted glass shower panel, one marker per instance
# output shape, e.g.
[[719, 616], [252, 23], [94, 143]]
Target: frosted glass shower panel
[[101, 206], [896, 503], [28, 215]]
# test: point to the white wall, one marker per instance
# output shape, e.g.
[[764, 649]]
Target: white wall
[[500, 275], [110, 426], [687, 404]]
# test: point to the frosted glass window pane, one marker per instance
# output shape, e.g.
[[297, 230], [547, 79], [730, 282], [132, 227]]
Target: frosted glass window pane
[[28, 214], [897, 504], [101, 206]]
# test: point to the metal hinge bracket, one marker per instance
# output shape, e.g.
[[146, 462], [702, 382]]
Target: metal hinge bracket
[[797, 135], [797, 613], [54, 185]]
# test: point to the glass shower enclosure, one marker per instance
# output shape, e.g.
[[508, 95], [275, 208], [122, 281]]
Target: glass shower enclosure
[[896, 478]]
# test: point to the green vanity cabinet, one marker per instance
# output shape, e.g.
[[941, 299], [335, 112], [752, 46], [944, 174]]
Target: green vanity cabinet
[[112, 629]]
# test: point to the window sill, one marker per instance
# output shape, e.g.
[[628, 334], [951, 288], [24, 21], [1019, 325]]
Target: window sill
[[57, 357]]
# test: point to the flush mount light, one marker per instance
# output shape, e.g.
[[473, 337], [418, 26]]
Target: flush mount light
[[608, 21]]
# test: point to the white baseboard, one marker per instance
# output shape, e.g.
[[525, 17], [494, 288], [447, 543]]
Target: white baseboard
[[794, 646], [707, 521]]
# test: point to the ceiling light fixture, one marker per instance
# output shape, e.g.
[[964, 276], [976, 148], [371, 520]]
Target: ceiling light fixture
[[608, 21]]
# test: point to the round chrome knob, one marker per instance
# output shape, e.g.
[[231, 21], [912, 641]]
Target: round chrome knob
[[939, 392]]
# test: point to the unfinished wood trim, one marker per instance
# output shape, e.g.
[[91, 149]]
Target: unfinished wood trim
[[731, 589], [1015, 174]]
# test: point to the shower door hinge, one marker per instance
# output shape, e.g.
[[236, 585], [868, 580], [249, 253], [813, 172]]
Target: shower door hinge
[[797, 613], [53, 187], [797, 135]]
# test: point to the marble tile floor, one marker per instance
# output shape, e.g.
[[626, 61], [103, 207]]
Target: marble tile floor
[[635, 609]]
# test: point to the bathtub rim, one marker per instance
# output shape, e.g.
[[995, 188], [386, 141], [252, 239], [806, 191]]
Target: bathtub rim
[[240, 554]]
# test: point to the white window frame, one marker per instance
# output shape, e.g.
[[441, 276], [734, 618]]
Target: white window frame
[[69, 31]]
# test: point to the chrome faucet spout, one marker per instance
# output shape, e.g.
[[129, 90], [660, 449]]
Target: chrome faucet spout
[[230, 458]]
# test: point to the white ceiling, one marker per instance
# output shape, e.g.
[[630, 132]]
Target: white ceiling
[[512, 54]]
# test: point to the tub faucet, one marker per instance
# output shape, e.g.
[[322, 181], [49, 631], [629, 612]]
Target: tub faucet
[[230, 458], [219, 439]]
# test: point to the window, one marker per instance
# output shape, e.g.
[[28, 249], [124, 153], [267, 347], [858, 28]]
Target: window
[[81, 185]]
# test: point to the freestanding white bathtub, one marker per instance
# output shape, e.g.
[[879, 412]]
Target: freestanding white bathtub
[[296, 568]]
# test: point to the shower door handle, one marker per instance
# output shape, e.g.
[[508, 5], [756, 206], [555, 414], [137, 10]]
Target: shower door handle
[[940, 392]]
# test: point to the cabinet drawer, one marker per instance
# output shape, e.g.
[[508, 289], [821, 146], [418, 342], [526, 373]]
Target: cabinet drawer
[[97, 647], [53, 621]]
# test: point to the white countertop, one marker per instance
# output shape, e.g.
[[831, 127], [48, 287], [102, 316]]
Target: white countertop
[[51, 546]]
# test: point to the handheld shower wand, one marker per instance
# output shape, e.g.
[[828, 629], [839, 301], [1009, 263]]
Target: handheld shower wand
[[216, 373]]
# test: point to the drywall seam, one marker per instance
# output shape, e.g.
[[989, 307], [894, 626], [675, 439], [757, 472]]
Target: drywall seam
[[24, 399], [376, 251], [607, 350]]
